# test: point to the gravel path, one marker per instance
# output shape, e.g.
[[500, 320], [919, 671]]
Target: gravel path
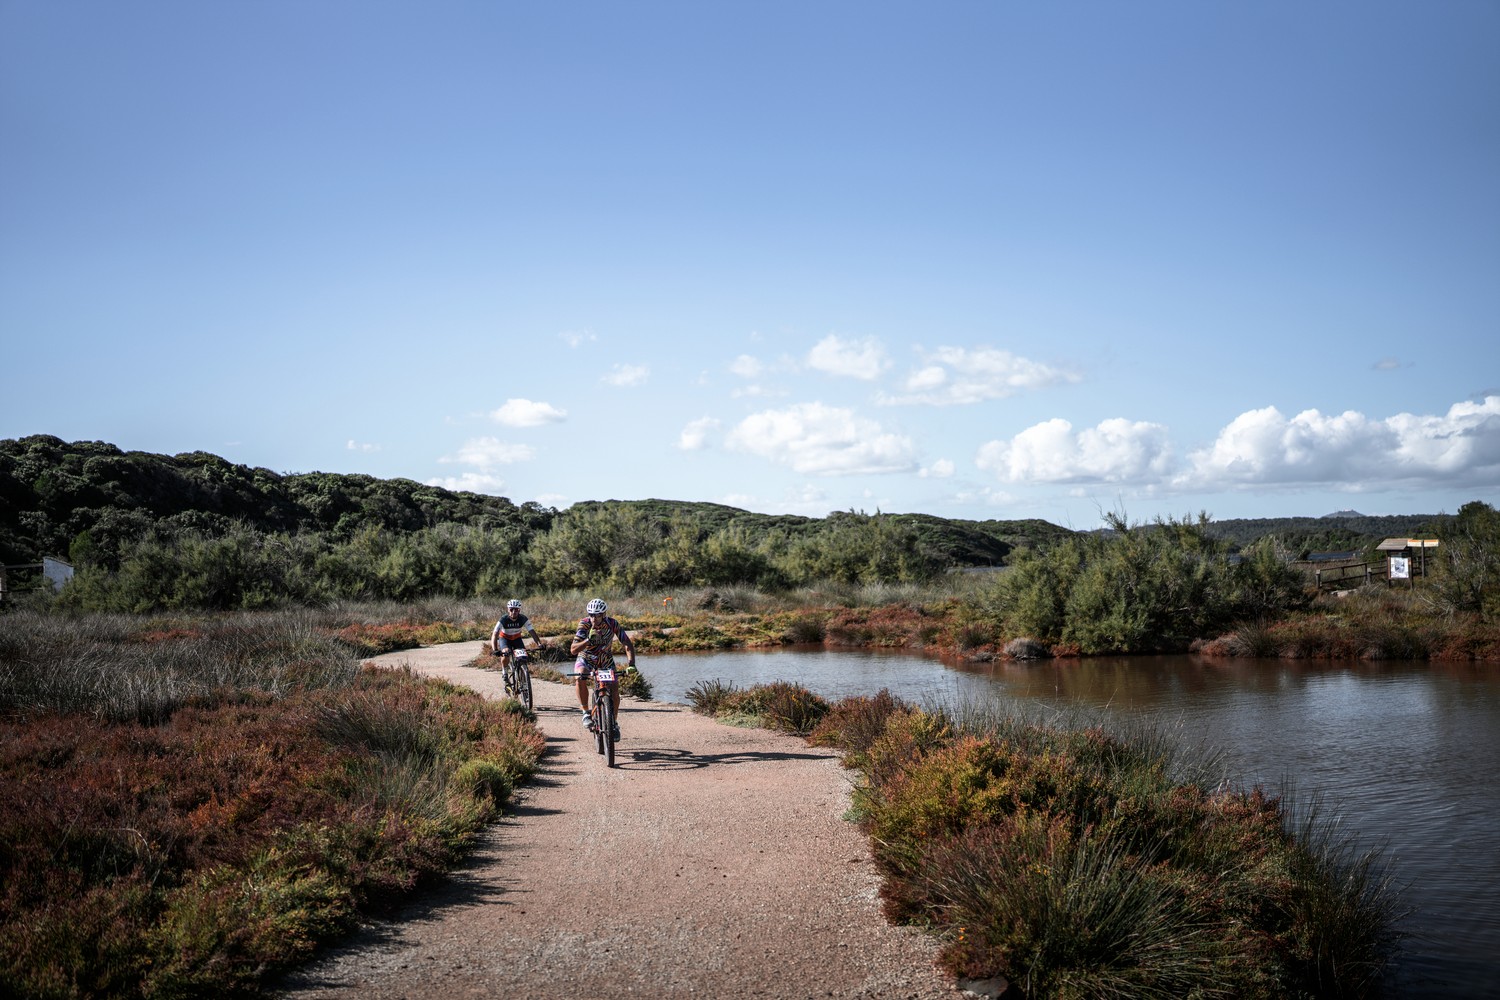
[[729, 871]]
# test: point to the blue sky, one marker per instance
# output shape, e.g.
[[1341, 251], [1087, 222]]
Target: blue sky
[[972, 259]]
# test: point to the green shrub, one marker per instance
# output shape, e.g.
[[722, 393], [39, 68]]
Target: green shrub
[[853, 724], [779, 705], [1072, 863], [1138, 588], [710, 697]]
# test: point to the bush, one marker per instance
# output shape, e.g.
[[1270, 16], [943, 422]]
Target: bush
[[1138, 589], [779, 705], [1069, 862], [236, 828], [852, 725]]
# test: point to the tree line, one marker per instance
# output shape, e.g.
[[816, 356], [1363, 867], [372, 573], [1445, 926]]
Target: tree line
[[147, 531]]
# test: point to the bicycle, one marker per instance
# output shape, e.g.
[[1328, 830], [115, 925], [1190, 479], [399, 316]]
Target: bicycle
[[602, 712], [515, 671]]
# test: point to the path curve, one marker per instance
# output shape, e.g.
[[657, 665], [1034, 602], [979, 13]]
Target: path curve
[[737, 875]]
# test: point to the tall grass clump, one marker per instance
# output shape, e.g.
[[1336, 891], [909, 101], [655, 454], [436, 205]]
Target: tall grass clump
[[1075, 862], [248, 816], [120, 667], [780, 705]]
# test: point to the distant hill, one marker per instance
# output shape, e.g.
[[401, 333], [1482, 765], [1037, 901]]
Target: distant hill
[[1339, 532], [963, 542], [55, 495], [59, 498], [53, 492]]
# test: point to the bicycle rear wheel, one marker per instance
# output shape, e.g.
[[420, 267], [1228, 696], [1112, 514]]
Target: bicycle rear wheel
[[607, 730]]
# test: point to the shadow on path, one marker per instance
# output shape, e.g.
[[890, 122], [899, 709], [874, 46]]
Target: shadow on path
[[674, 759]]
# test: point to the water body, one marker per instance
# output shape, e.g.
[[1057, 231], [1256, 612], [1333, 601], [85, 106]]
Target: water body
[[1407, 756]]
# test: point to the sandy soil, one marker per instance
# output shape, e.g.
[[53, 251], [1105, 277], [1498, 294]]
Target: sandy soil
[[711, 861]]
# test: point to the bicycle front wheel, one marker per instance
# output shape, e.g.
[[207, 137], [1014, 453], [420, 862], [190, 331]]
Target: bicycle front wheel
[[523, 685], [598, 714], [607, 731]]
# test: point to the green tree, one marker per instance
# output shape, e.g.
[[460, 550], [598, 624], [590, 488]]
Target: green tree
[[1468, 556]]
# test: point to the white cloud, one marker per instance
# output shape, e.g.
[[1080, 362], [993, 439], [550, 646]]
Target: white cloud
[[1264, 448], [984, 497], [487, 452], [1117, 450], [694, 436], [823, 440], [808, 500], [862, 359], [941, 469], [757, 392], [525, 413], [354, 445], [746, 366], [957, 375], [470, 482], [627, 375], [577, 338]]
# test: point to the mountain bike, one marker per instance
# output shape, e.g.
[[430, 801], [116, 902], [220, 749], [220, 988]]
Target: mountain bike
[[516, 673], [602, 712]]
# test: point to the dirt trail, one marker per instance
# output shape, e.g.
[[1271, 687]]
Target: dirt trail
[[730, 871]]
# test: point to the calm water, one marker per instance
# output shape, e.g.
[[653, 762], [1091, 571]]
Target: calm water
[[1406, 755]]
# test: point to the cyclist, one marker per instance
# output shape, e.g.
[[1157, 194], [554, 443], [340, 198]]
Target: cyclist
[[591, 644], [510, 633]]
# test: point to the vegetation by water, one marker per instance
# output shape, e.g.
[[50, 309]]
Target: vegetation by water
[[204, 792], [192, 805], [1078, 863], [196, 788]]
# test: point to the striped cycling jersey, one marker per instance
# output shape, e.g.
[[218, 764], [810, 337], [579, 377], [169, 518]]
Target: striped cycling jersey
[[512, 628], [596, 653]]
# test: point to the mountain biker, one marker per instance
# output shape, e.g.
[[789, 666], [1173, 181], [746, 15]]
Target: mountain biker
[[591, 644], [510, 631]]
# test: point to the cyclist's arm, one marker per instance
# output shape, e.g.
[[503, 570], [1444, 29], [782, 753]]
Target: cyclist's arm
[[629, 646]]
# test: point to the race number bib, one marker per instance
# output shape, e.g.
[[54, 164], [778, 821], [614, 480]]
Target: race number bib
[[605, 674]]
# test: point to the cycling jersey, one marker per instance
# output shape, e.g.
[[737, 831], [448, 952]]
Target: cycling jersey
[[513, 628], [597, 652], [508, 632]]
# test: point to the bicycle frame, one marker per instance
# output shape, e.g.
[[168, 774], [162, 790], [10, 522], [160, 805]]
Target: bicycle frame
[[515, 666], [603, 682]]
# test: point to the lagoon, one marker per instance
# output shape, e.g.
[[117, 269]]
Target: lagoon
[[1405, 755]]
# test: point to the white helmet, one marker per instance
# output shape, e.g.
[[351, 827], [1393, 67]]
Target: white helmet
[[512, 605], [596, 607]]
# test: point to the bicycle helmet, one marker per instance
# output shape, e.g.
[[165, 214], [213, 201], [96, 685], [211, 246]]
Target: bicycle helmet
[[512, 605], [596, 607]]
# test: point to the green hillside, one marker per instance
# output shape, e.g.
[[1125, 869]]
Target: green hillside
[[150, 531]]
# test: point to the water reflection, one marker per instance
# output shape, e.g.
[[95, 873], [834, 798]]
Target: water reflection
[[1405, 754]]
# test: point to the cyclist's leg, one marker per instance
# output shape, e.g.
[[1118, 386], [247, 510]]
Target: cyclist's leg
[[581, 685], [505, 667]]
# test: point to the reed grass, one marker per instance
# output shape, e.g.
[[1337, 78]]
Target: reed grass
[[779, 705], [192, 804], [121, 667], [1078, 862]]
